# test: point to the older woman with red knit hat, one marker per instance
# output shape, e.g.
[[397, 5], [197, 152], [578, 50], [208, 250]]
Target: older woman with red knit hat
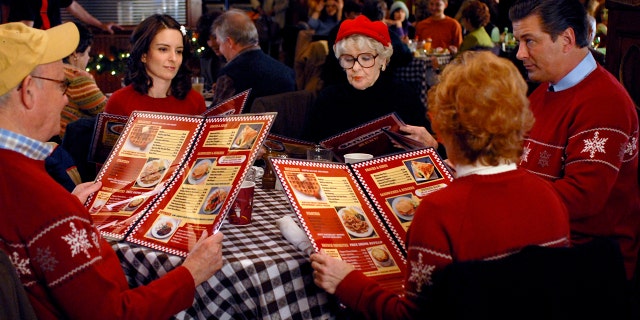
[[363, 49]]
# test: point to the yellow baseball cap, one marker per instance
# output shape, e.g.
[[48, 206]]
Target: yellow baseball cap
[[23, 48]]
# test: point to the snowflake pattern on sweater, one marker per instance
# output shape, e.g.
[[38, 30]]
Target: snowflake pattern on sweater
[[585, 140]]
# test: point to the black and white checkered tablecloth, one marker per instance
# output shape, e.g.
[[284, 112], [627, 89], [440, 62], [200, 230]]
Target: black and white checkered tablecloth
[[414, 75], [420, 75], [263, 277]]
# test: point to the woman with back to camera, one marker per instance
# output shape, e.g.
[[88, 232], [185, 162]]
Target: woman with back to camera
[[480, 112], [158, 78], [474, 17], [86, 100]]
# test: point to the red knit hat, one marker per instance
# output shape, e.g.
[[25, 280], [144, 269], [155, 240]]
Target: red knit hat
[[376, 30]]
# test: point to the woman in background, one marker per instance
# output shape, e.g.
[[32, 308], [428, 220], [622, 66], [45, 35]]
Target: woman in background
[[474, 17], [326, 14], [158, 78], [398, 21], [363, 49], [85, 98]]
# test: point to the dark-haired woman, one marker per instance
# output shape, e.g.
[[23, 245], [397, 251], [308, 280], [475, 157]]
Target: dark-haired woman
[[157, 77]]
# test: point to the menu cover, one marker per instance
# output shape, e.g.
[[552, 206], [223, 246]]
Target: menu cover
[[106, 132], [294, 148], [373, 137], [170, 177], [230, 106], [109, 126], [360, 212]]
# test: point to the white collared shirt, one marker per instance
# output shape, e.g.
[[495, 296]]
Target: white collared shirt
[[581, 71]]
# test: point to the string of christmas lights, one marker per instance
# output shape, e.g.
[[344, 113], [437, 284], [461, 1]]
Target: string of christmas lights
[[115, 62]]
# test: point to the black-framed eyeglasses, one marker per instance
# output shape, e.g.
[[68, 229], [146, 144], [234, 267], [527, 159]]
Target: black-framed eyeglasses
[[64, 84], [365, 60]]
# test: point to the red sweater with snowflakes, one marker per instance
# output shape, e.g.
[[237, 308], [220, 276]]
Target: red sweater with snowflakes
[[477, 217], [68, 270], [585, 140], [126, 100]]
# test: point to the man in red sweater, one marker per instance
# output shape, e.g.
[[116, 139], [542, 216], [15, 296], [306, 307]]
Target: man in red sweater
[[68, 270], [585, 139]]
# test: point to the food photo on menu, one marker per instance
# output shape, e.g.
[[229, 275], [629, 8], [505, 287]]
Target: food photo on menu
[[134, 203], [141, 137], [164, 228], [355, 222], [306, 185], [247, 134], [381, 256], [214, 200], [200, 171], [404, 206], [422, 169], [152, 173]]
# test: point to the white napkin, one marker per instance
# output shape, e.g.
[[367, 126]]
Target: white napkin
[[294, 234]]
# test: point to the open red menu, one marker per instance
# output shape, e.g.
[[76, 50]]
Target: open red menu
[[360, 212], [375, 137], [109, 126], [170, 177]]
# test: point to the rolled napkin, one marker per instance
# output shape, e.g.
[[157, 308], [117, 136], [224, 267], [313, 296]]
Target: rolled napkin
[[294, 234]]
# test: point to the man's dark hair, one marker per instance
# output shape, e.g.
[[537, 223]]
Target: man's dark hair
[[556, 16]]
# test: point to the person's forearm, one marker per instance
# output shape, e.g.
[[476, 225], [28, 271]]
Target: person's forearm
[[76, 10]]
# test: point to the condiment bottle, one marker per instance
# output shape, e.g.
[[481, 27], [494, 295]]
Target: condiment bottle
[[269, 176], [427, 45]]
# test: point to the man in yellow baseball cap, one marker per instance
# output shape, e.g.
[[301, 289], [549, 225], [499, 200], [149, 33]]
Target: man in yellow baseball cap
[[67, 269]]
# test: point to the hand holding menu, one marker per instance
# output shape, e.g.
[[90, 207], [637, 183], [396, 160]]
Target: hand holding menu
[[170, 177], [360, 212]]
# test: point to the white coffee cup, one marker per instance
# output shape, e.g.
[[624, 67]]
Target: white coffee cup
[[356, 157]]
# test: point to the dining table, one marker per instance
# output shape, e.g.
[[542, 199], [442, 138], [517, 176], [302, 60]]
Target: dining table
[[263, 275]]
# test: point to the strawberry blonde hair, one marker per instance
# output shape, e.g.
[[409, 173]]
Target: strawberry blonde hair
[[480, 109]]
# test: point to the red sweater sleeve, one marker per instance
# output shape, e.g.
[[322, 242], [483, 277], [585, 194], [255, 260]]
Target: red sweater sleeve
[[362, 293], [66, 267], [102, 297]]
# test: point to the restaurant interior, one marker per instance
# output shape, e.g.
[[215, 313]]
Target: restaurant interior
[[267, 275]]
